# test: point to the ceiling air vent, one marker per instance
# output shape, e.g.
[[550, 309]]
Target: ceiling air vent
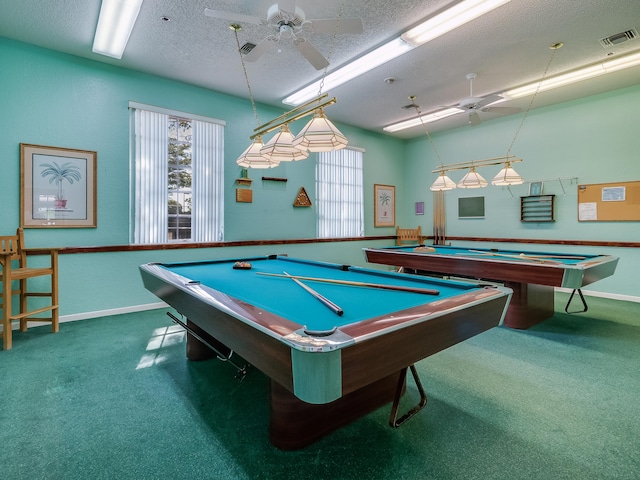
[[619, 38], [247, 47]]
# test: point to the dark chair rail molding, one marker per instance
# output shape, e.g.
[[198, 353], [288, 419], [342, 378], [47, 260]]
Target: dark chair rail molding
[[245, 243]]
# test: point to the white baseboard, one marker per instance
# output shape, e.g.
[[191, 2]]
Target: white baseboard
[[97, 314], [611, 296], [154, 306]]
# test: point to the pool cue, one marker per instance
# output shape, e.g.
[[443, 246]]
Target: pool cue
[[526, 255], [560, 257], [505, 255], [426, 291], [324, 300]]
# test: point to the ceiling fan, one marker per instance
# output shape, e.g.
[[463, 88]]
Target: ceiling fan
[[472, 104], [289, 22]]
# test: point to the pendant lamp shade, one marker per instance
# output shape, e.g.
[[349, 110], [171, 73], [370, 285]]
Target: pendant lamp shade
[[252, 157], [507, 176], [473, 180], [281, 149], [442, 184], [320, 135]]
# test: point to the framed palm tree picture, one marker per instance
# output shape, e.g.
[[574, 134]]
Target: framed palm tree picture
[[384, 205], [58, 187]]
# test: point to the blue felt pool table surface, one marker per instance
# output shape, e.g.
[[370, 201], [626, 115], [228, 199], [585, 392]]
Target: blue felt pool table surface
[[283, 297]]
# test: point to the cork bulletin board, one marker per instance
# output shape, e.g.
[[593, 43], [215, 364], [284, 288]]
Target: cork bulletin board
[[609, 202]]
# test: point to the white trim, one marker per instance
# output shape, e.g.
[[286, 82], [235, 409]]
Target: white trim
[[357, 149], [177, 113], [157, 305], [610, 296], [111, 311], [97, 314]]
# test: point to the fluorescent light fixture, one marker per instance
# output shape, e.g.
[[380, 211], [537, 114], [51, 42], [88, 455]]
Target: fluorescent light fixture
[[371, 60], [115, 23], [430, 117], [450, 19], [442, 23], [608, 66]]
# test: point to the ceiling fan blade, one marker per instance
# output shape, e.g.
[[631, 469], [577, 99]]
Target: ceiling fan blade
[[328, 25], [234, 17], [261, 48], [311, 53], [474, 119], [502, 110], [287, 6], [489, 99]]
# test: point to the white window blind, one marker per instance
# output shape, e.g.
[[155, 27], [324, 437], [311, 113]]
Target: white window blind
[[201, 176], [339, 194]]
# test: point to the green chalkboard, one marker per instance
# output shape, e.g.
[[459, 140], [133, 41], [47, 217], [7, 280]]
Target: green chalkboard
[[471, 207]]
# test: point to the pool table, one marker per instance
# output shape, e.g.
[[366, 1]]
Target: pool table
[[531, 275], [326, 369]]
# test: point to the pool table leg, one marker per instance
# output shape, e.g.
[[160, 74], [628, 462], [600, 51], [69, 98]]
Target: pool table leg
[[295, 424], [530, 305], [196, 350]]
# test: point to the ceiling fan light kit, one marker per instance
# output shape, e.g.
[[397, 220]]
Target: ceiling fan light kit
[[289, 22]]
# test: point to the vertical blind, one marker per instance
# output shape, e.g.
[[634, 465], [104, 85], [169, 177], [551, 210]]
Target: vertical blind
[[207, 216], [151, 179], [151, 166], [339, 194]]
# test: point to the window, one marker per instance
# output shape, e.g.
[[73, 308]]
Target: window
[[178, 171], [339, 194]]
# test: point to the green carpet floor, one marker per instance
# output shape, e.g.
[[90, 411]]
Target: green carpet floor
[[115, 398]]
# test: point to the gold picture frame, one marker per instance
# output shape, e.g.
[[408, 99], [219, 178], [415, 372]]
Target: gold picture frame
[[57, 187], [384, 205]]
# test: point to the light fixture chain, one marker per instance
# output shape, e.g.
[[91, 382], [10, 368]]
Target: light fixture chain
[[554, 49], [235, 29], [417, 109], [333, 42]]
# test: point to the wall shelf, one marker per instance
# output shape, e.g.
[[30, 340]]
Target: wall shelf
[[537, 208]]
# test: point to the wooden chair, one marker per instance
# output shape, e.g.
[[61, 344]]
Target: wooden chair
[[408, 235], [15, 273]]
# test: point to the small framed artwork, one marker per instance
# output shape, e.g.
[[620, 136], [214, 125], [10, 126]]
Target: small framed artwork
[[535, 188], [57, 187], [419, 208], [384, 205]]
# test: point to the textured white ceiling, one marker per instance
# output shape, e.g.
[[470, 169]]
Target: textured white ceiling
[[507, 47]]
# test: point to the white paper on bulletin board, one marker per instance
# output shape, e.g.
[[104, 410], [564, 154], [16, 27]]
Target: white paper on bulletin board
[[613, 194], [587, 211]]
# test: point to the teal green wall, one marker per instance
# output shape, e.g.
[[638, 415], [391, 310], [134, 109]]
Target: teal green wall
[[595, 139], [55, 99]]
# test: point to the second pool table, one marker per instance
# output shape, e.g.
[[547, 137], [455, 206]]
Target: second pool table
[[531, 275]]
